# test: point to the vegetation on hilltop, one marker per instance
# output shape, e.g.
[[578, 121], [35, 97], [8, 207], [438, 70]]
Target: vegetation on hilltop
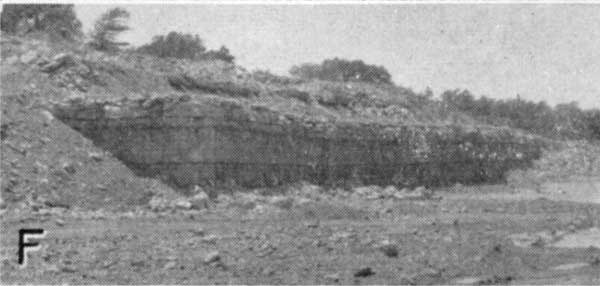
[[564, 121], [55, 19], [175, 45], [184, 46], [336, 88]]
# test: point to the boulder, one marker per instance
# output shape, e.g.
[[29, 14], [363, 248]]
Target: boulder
[[199, 231], [58, 62], [370, 192], [246, 201], [333, 277], [12, 60], [211, 238], [182, 204], [538, 239], [427, 193], [309, 190], [69, 168], [29, 57], [170, 265], [158, 203], [96, 156], [389, 191], [303, 201], [224, 199], [212, 257], [282, 202], [389, 249], [112, 111], [200, 201], [401, 195], [420, 190], [48, 117]]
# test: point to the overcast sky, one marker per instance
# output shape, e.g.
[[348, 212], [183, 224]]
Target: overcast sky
[[542, 52]]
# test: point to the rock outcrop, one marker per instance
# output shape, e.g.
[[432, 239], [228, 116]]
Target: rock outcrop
[[210, 140]]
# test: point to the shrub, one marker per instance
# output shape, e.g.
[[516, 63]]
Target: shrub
[[184, 46], [175, 45], [342, 70], [220, 54]]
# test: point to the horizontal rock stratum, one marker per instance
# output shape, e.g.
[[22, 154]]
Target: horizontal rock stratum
[[211, 140]]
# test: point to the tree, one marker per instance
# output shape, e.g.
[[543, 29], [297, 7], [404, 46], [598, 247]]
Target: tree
[[56, 19], [220, 54], [175, 45], [592, 120], [342, 70], [106, 29]]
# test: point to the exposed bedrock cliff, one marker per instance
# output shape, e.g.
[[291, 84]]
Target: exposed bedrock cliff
[[214, 141]]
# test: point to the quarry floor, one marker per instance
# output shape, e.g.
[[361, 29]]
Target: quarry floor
[[463, 238]]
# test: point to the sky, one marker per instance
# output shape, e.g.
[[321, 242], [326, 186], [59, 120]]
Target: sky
[[548, 52]]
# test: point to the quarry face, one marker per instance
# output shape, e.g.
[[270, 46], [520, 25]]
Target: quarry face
[[207, 141]]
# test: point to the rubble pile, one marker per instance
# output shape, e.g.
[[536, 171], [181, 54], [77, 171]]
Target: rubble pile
[[568, 160], [47, 165]]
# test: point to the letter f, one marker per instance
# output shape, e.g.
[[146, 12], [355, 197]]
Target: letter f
[[24, 242]]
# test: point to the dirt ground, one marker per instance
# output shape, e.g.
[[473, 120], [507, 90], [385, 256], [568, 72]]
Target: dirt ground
[[465, 237]]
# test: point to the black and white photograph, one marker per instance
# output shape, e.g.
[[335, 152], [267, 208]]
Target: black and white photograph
[[300, 143]]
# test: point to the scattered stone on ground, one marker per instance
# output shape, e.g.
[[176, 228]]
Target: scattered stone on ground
[[333, 277], [539, 239], [389, 249], [364, 272], [199, 231], [170, 265], [468, 281], [183, 204], [570, 266], [312, 224], [211, 238], [212, 257]]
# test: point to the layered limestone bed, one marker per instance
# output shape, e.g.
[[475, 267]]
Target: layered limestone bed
[[211, 140]]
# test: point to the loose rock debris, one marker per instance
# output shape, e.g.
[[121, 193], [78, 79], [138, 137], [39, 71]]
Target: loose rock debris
[[390, 250], [580, 239]]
